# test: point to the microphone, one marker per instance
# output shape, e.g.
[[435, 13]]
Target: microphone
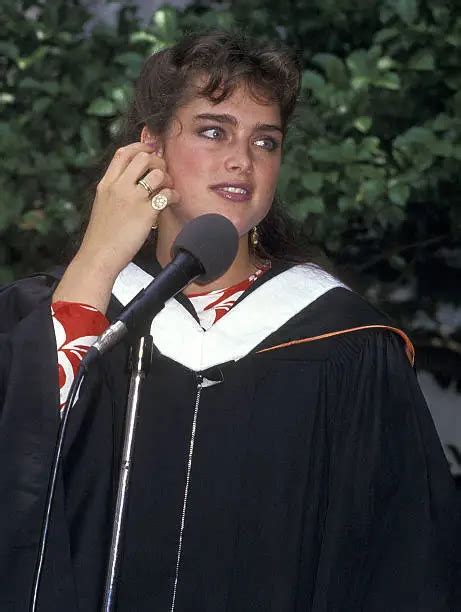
[[203, 250]]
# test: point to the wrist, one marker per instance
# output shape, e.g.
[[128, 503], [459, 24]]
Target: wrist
[[86, 281], [100, 264]]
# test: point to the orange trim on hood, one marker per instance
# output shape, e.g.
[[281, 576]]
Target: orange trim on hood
[[409, 348]]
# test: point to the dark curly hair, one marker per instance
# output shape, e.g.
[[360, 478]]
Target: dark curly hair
[[223, 60]]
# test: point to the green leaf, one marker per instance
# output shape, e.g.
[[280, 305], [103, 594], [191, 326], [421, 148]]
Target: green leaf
[[416, 135], [346, 203], [348, 150], [457, 152], [166, 22], [372, 190], [120, 95], [399, 194], [50, 87], [40, 105], [333, 67], [407, 10], [142, 36], [442, 122], [359, 64], [440, 13], [313, 204], [386, 34], [331, 177], [130, 59], [306, 206], [312, 80], [385, 63], [360, 171], [324, 151], [422, 60], [454, 39], [29, 83], [101, 108], [6, 98], [89, 133], [388, 80], [9, 49], [360, 82], [442, 148], [363, 124], [312, 181]]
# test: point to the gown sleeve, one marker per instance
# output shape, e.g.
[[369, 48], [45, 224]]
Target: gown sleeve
[[393, 516], [29, 420]]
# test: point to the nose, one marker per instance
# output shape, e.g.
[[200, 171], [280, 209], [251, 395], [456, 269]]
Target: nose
[[239, 158]]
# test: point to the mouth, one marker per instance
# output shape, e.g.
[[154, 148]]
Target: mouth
[[236, 192]]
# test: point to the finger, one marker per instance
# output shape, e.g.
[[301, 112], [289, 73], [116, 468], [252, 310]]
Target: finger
[[140, 165], [122, 157], [152, 183], [158, 179]]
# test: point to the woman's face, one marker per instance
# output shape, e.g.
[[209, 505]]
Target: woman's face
[[224, 158]]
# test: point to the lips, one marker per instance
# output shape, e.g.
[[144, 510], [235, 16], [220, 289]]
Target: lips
[[236, 192]]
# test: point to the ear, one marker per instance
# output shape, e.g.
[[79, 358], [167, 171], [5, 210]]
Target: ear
[[148, 138]]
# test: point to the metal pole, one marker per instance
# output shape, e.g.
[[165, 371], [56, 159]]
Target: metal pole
[[140, 362]]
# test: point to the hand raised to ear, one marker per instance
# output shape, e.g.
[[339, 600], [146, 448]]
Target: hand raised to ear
[[121, 218]]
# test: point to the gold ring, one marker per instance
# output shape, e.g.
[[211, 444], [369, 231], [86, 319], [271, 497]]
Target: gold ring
[[159, 201], [146, 186]]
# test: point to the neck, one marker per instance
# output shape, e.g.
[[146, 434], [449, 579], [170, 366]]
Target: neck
[[242, 267]]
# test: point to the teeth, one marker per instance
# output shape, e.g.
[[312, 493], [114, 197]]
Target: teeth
[[235, 189]]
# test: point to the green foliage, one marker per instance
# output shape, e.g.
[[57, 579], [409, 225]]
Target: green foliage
[[62, 87], [371, 167]]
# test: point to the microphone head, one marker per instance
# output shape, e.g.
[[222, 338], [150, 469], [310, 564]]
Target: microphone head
[[212, 240]]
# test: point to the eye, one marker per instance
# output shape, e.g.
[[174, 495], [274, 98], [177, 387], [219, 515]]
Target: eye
[[213, 133], [268, 144]]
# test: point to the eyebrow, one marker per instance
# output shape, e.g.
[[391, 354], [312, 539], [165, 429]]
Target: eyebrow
[[231, 120]]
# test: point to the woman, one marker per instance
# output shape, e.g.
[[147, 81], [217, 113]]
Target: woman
[[285, 459]]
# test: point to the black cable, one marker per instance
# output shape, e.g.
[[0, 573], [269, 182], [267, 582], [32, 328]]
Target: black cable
[[52, 487]]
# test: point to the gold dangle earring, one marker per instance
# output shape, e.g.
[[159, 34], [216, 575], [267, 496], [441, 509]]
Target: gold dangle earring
[[254, 237]]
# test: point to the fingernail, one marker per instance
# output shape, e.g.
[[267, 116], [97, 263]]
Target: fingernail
[[151, 145]]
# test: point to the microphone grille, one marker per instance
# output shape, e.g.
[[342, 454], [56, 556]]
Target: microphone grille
[[213, 240]]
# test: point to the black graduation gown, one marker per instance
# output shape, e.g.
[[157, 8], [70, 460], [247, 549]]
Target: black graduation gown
[[317, 481]]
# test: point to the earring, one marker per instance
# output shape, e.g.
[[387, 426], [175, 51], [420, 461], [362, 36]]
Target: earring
[[254, 237]]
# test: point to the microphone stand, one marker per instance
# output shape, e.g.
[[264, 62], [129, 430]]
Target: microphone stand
[[140, 361]]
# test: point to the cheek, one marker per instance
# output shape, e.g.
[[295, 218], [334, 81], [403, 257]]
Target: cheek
[[189, 169], [270, 175], [185, 164]]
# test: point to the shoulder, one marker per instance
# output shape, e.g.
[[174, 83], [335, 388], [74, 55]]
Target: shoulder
[[337, 322], [325, 304], [19, 298]]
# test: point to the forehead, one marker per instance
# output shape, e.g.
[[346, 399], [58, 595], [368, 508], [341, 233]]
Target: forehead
[[247, 108]]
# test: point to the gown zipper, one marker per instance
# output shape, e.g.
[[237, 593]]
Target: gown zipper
[[199, 380]]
